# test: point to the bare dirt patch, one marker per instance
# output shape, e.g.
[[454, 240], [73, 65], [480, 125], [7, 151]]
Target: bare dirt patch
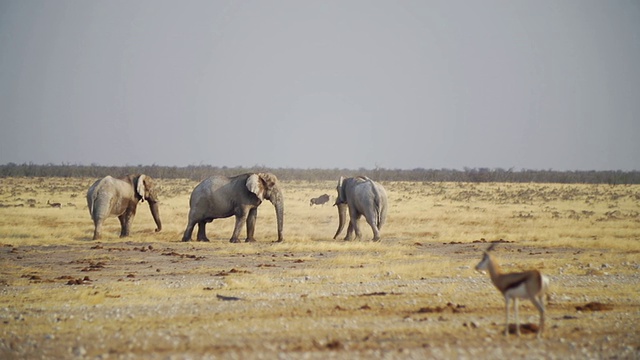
[[205, 300]]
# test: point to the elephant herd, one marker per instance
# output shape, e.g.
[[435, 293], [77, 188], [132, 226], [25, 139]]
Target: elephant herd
[[221, 197]]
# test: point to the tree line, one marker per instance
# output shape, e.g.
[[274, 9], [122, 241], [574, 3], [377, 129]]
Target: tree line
[[199, 172]]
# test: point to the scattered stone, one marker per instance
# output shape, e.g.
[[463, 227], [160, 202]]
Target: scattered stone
[[472, 325], [79, 351], [335, 345], [527, 328], [182, 256], [594, 272], [80, 281], [232, 271], [378, 293], [482, 241], [94, 266], [595, 306], [439, 309]]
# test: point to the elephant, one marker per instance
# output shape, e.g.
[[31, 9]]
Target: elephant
[[110, 196], [362, 196], [221, 197]]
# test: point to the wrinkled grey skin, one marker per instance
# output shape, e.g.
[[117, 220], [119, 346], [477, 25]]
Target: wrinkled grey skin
[[119, 197], [221, 197], [362, 196]]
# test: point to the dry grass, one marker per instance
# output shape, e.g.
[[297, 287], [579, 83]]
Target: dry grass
[[597, 216], [151, 295]]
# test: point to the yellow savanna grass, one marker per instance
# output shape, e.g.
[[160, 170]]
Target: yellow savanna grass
[[555, 215], [552, 215]]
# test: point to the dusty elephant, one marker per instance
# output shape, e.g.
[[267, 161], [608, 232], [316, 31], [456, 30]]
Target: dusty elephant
[[110, 196], [221, 197], [362, 196]]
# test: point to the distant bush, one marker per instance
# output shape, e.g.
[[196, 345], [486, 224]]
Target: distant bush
[[200, 172]]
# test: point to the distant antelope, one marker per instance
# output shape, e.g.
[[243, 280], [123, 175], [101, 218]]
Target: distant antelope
[[529, 284], [320, 200], [54, 205]]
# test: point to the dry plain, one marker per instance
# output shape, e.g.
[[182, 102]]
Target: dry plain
[[414, 295]]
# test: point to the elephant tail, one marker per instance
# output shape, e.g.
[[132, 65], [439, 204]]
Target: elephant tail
[[380, 212], [92, 202], [92, 196]]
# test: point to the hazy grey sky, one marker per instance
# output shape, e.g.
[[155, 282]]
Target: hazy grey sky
[[328, 84]]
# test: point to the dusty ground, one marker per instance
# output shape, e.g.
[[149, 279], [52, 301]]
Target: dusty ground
[[153, 300], [414, 295]]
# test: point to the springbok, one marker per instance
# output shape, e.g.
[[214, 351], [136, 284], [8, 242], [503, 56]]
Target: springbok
[[54, 205], [529, 284]]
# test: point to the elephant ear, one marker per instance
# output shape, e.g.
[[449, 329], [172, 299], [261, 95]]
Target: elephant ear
[[254, 184], [140, 187], [268, 179]]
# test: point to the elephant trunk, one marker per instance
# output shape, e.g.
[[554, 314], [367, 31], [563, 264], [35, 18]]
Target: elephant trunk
[[155, 212], [342, 218], [278, 202]]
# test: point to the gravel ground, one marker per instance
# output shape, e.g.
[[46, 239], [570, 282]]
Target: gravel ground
[[158, 300]]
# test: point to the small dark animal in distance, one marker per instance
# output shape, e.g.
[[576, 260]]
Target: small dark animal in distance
[[54, 205], [320, 200]]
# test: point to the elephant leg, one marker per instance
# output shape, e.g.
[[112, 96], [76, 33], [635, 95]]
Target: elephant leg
[[124, 227], [241, 219], [125, 221], [353, 223], [349, 235], [376, 233], [188, 231], [251, 224], [202, 234], [355, 226], [97, 229]]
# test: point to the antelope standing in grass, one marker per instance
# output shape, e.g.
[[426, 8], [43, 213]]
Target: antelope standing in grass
[[529, 284]]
